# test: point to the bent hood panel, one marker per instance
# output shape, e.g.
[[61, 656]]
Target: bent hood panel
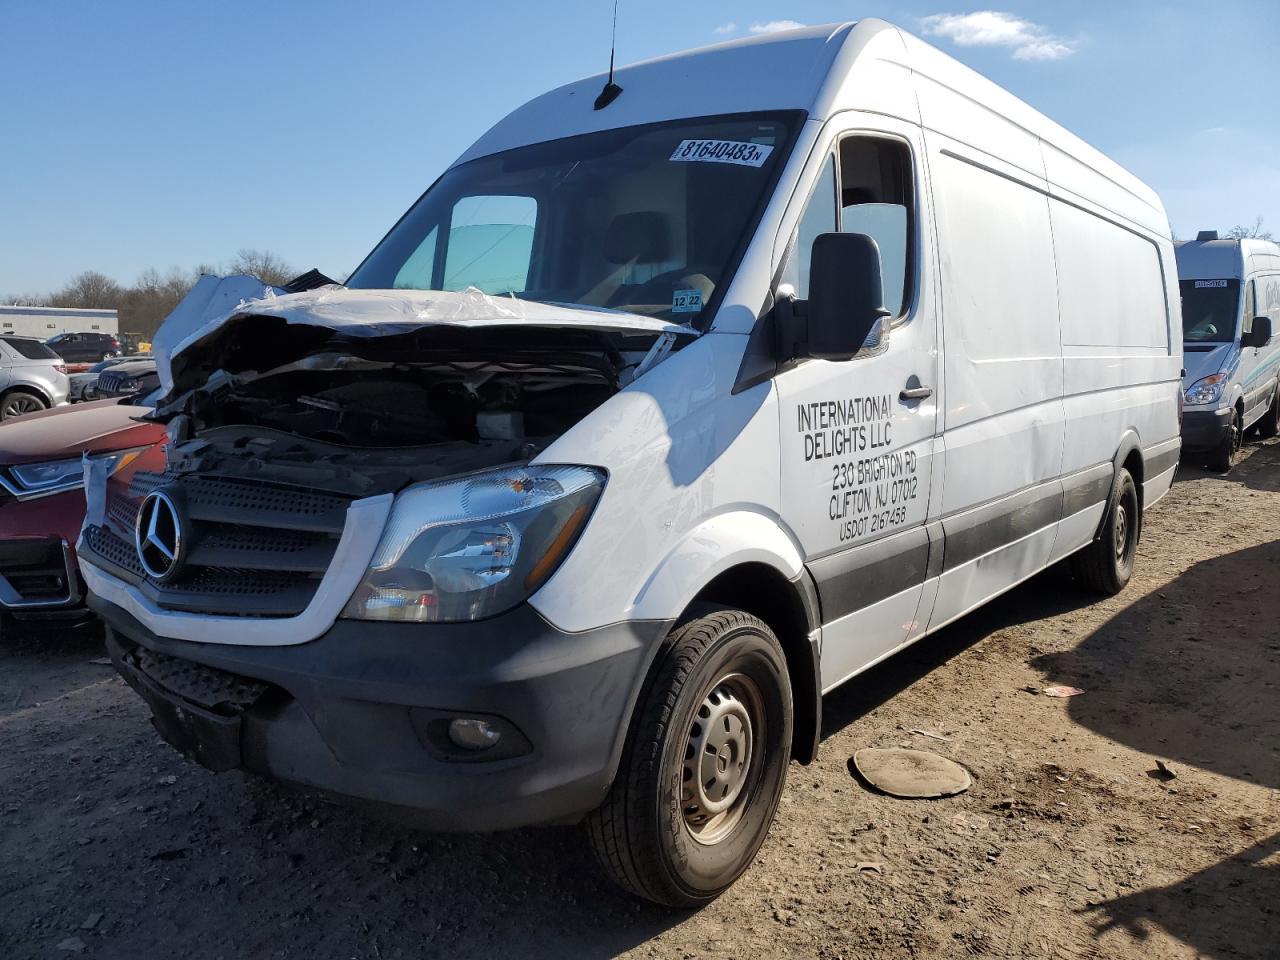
[[379, 313], [63, 433]]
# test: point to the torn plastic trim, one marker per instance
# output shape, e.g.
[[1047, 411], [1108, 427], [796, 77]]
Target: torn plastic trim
[[361, 533]]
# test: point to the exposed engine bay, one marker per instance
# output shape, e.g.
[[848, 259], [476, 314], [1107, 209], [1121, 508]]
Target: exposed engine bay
[[366, 415]]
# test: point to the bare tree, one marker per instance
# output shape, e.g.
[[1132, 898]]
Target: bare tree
[[144, 305], [26, 300], [263, 264], [1254, 232], [89, 291]]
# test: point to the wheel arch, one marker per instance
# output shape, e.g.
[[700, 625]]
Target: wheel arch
[[1129, 456], [790, 608], [28, 388], [748, 561]]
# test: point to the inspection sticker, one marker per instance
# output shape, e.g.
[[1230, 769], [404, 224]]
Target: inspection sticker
[[686, 301], [1211, 283], [737, 152]]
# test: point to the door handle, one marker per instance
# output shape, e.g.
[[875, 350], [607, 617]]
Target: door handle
[[915, 393]]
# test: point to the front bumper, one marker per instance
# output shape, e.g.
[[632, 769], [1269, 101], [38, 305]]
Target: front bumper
[[39, 576], [1204, 429], [359, 712]]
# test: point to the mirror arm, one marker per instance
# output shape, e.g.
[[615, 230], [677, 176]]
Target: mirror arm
[[791, 325]]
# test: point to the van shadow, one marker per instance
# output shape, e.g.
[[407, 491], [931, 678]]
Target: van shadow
[[1190, 673], [1256, 471], [1045, 595], [1217, 911]]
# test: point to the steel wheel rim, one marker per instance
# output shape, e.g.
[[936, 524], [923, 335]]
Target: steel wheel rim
[[17, 406], [1122, 529], [722, 760]]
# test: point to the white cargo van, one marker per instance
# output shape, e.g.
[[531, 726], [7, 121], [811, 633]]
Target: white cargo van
[[660, 414], [1230, 306]]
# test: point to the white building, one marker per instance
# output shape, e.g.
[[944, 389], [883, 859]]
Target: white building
[[44, 322]]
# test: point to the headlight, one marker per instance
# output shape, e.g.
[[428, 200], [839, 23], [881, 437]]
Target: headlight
[[30, 481], [48, 477], [475, 547], [1207, 389]]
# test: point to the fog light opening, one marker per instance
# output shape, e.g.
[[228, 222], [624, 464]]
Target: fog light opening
[[468, 733]]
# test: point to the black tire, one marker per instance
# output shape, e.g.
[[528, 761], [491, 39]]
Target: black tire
[[1107, 563], [1269, 425], [16, 403], [656, 834], [1224, 456]]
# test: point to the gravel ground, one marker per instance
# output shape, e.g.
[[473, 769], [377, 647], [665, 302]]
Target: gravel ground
[[1069, 844]]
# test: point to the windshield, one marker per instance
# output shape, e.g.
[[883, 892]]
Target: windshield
[[649, 219], [1209, 310]]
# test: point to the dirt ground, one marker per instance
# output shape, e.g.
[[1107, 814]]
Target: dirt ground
[[1066, 846]]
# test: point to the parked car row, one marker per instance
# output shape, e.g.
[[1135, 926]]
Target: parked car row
[[628, 443]]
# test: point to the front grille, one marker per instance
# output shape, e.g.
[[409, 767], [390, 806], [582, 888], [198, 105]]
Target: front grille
[[112, 383], [252, 549]]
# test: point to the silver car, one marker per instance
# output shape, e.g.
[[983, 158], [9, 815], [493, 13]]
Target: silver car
[[32, 377]]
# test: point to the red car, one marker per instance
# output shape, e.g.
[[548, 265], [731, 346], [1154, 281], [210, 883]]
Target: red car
[[42, 502]]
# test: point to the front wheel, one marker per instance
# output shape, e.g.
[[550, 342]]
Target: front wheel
[[704, 763], [1224, 456], [18, 402], [1107, 564]]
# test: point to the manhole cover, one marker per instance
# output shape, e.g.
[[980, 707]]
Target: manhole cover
[[915, 774]]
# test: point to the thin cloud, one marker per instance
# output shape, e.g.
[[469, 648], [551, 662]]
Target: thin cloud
[[726, 28], [773, 26], [993, 28]]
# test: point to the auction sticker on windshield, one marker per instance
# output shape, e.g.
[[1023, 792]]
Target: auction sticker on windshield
[[723, 151], [686, 301]]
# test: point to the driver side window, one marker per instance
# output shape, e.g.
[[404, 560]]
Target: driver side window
[[819, 217]]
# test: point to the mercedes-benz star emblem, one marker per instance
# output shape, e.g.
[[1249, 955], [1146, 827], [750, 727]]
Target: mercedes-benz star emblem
[[157, 536]]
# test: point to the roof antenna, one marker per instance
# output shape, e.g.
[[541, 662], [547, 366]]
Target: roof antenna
[[611, 89]]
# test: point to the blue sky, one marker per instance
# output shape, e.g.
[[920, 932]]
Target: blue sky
[[136, 134]]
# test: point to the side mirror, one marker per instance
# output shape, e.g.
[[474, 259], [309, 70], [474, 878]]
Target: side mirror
[[846, 295], [1260, 335]]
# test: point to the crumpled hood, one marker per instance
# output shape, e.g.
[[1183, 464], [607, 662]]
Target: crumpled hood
[[62, 433], [379, 313], [1199, 365]]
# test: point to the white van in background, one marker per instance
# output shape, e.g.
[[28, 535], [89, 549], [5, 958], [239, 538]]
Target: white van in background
[[1230, 306], [672, 405]]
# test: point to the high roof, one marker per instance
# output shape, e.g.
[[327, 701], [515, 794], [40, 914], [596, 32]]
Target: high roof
[[821, 70], [1203, 259], [777, 71]]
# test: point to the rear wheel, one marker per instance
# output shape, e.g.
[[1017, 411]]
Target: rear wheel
[[1107, 564], [15, 403], [1223, 457], [704, 764]]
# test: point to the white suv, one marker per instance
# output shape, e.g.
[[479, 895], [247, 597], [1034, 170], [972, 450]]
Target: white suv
[[32, 377]]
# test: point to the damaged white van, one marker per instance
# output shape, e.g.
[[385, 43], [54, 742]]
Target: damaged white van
[[664, 411]]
